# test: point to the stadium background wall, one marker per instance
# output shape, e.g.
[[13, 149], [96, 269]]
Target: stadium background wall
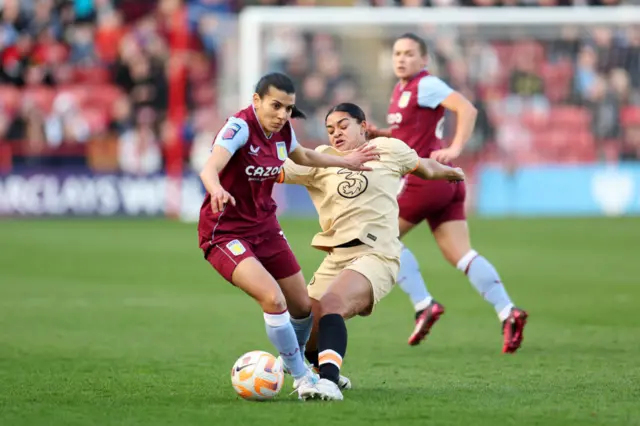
[[558, 90]]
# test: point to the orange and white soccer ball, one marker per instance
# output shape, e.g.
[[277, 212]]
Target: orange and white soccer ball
[[257, 376]]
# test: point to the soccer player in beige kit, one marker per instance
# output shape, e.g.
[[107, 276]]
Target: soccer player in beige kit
[[359, 219]]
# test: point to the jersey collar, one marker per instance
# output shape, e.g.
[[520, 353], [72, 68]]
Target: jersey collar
[[413, 77], [255, 114]]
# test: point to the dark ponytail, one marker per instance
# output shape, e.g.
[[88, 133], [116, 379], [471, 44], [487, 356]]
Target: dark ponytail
[[297, 113]]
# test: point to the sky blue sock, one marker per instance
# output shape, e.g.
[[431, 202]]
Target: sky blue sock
[[283, 337], [411, 282]]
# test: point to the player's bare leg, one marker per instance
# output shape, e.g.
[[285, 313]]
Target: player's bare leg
[[350, 294], [405, 226], [295, 293], [311, 353], [410, 280], [454, 242], [251, 277]]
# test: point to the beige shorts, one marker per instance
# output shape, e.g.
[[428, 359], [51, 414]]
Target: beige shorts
[[381, 270]]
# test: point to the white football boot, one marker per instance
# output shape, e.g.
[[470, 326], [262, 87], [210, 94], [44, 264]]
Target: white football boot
[[324, 390], [305, 384], [344, 383]]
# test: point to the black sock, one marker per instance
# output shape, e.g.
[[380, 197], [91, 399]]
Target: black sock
[[332, 346], [312, 356]]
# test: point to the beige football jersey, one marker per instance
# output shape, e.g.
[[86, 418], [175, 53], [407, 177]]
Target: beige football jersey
[[357, 205]]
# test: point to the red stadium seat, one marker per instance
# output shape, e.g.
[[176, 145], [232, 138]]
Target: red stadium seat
[[585, 147], [79, 93], [557, 79], [9, 98], [547, 140], [630, 116], [505, 56], [104, 95], [570, 117], [88, 95], [589, 154], [93, 75], [535, 121], [97, 118], [611, 150], [557, 89], [41, 96]]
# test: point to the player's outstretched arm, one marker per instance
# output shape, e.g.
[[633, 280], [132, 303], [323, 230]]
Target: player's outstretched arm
[[375, 132], [432, 170], [354, 160], [217, 161]]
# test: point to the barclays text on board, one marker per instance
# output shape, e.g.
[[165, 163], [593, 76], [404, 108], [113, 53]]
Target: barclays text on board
[[30, 194], [593, 190], [532, 191], [60, 194]]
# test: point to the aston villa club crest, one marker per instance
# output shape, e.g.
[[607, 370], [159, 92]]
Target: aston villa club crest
[[236, 248], [404, 99], [281, 148]]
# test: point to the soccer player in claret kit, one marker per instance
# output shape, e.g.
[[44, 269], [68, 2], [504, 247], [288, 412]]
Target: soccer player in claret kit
[[238, 230], [416, 116], [358, 214]]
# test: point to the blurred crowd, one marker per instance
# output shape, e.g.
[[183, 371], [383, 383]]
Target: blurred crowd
[[572, 96], [91, 82]]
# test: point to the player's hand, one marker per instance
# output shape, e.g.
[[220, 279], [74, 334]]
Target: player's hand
[[374, 132], [456, 175], [219, 198], [446, 155], [355, 159]]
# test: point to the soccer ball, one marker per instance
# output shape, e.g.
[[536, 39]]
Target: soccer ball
[[257, 376]]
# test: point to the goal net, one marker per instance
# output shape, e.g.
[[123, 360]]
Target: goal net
[[550, 84]]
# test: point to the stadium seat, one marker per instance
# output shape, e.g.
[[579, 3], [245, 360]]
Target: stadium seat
[[505, 56], [611, 150], [41, 96], [534, 121], [557, 81], [559, 144], [570, 117], [630, 115], [79, 93], [97, 118], [9, 98], [104, 94], [532, 49], [92, 75]]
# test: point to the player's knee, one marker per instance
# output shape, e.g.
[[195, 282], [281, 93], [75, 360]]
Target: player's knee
[[332, 303], [273, 301], [453, 253], [301, 308]]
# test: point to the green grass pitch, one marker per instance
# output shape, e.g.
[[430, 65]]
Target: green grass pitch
[[124, 323]]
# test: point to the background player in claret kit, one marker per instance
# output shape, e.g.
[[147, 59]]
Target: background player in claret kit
[[238, 230], [416, 116], [359, 220]]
